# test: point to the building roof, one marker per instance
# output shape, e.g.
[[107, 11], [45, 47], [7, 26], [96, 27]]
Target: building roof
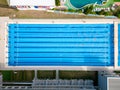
[[32, 2]]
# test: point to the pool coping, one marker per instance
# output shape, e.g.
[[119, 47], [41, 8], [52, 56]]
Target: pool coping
[[4, 21]]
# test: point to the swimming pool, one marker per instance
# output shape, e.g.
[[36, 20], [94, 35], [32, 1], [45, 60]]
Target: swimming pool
[[119, 45], [81, 3], [60, 45]]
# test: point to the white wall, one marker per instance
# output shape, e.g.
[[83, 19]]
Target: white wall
[[32, 2], [8, 1]]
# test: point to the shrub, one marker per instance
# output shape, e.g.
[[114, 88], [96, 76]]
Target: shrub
[[57, 2]]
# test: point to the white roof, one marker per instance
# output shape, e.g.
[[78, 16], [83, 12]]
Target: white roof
[[32, 2]]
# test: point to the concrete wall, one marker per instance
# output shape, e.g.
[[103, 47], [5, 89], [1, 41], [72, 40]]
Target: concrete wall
[[32, 2], [114, 83]]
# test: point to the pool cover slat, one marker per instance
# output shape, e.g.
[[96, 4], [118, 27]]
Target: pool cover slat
[[59, 30], [60, 45], [83, 45], [118, 44]]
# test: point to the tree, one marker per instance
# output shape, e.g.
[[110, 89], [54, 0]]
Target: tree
[[79, 10], [116, 12], [100, 12], [57, 2], [106, 13], [88, 9], [71, 10]]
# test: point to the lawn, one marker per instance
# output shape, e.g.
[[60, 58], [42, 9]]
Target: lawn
[[6, 75], [46, 74], [17, 76]]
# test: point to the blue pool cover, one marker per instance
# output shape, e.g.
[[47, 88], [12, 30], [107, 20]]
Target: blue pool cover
[[61, 45], [119, 45]]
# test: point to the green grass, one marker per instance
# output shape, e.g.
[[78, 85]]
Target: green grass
[[116, 0], [6, 75], [46, 74], [3, 2], [19, 76]]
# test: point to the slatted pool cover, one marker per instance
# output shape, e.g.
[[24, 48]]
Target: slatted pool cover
[[60, 45], [119, 45]]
